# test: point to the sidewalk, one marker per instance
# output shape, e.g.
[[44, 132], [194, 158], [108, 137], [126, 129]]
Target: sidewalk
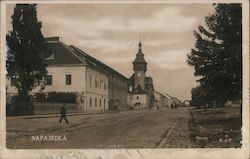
[[179, 137], [69, 114]]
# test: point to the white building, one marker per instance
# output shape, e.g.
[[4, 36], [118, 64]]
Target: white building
[[71, 71], [161, 100], [170, 99]]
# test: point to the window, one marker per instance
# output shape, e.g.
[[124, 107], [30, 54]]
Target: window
[[12, 81], [95, 102], [105, 86], [104, 101], [90, 101], [100, 84], [137, 97], [68, 79], [48, 80], [130, 88], [100, 102], [90, 80], [95, 82]]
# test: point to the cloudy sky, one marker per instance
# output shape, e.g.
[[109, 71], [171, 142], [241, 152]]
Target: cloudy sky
[[110, 33]]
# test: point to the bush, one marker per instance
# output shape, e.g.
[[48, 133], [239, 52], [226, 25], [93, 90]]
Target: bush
[[40, 97], [61, 97], [56, 97], [20, 105]]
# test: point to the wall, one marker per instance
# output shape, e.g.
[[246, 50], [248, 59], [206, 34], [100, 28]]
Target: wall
[[170, 100], [140, 79], [140, 98], [118, 92], [58, 80], [130, 101], [95, 81], [161, 100], [78, 84]]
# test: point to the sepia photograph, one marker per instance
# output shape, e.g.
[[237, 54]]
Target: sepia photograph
[[123, 76]]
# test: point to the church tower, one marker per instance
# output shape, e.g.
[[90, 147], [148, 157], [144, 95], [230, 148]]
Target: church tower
[[140, 68]]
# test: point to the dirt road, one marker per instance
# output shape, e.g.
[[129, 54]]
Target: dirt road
[[126, 129]]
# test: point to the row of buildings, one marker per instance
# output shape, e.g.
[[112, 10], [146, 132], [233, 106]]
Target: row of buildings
[[165, 100], [97, 86]]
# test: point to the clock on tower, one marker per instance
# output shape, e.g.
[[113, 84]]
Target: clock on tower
[[140, 67]]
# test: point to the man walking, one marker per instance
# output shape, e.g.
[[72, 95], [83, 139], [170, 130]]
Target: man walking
[[63, 115]]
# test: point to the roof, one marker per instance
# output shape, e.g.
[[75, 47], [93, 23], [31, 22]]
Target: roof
[[149, 80], [139, 56], [94, 62], [138, 90], [88, 59], [61, 54], [161, 94], [168, 95]]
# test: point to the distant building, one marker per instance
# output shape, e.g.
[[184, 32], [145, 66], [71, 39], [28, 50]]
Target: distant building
[[176, 101], [98, 87], [141, 88], [161, 100], [186, 103], [170, 99]]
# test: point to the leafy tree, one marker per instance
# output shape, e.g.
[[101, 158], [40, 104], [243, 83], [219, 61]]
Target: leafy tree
[[27, 48], [217, 56], [198, 97]]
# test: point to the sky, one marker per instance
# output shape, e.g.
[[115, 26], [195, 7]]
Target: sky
[[111, 32]]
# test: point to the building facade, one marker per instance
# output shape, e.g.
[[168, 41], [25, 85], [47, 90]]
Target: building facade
[[161, 100], [117, 83], [98, 87], [141, 89]]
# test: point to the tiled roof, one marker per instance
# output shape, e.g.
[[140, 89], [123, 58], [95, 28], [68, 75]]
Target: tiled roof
[[61, 54], [88, 59], [94, 62]]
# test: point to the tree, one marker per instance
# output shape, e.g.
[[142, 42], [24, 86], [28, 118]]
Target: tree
[[27, 49], [217, 56], [198, 97]]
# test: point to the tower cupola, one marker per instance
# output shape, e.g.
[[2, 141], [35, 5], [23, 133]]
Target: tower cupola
[[140, 68], [139, 64]]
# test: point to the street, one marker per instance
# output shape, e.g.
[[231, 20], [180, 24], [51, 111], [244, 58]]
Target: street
[[125, 129]]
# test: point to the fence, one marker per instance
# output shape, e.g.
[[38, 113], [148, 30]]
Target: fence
[[55, 108]]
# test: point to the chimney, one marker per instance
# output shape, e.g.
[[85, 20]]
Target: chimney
[[52, 39]]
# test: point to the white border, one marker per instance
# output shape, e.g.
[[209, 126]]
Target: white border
[[211, 153]]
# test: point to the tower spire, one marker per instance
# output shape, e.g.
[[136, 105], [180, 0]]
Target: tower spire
[[140, 45]]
